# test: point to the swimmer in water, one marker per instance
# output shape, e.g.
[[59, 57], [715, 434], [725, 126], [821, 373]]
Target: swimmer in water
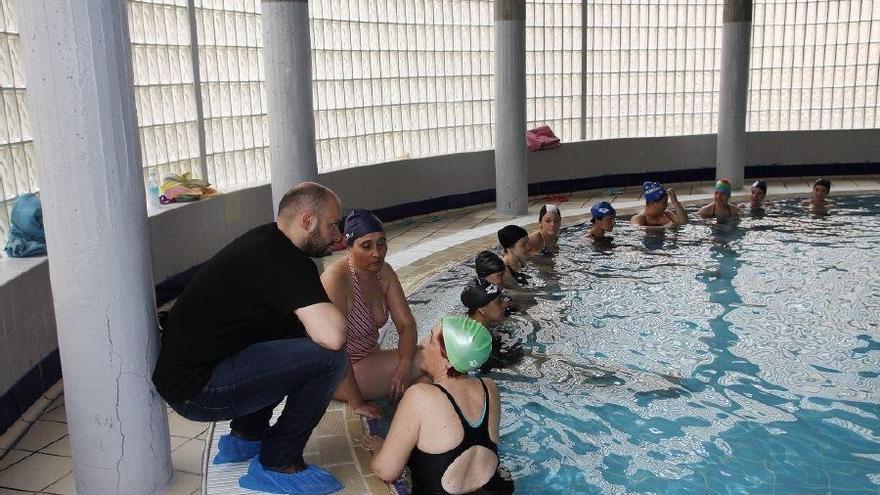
[[720, 209], [485, 304], [655, 214], [603, 220], [489, 266], [544, 240], [514, 239], [818, 199], [756, 201]]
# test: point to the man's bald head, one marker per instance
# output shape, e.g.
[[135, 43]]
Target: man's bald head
[[306, 197]]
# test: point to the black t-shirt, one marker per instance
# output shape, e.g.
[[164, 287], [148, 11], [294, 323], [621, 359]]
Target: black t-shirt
[[244, 295]]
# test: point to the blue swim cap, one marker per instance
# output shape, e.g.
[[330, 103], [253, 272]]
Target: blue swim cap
[[653, 191], [359, 223], [601, 210]]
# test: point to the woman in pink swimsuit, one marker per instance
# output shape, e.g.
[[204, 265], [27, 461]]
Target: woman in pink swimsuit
[[367, 291]]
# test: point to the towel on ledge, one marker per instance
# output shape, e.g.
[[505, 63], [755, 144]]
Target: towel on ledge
[[26, 235], [541, 138]]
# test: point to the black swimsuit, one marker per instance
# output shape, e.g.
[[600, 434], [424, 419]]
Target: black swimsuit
[[428, 469], [521, 278]]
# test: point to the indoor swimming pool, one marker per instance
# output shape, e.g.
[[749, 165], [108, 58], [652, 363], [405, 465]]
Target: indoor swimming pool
[[706, 359]]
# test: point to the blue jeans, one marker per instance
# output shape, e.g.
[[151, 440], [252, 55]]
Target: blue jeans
[[247, 386]]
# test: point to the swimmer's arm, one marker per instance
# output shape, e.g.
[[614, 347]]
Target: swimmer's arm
[[733, 209], [535, 243], [403, 435], [402, 317], [681, 216], [337, 288], [324, 324], [705, 211], [639, 220]]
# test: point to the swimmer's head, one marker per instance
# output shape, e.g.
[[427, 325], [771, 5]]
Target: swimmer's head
[[488, 264], [759, 191], [603, 215], [484, 297], [653, 191], [601, 210], [760, 184], [359, 223], [550, 218], [723, 189], [513, 238], [821, 188], [466, 343]]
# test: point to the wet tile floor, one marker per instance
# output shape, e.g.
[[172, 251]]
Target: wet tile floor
[[39, 461]]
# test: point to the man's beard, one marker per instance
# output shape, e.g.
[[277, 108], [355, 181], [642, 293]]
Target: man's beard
[[315, 247]]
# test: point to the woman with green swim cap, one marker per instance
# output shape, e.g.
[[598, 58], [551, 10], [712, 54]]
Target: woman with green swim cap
[[721, 208], [457, 416]]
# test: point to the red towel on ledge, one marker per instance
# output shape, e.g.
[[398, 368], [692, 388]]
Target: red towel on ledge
[[541, 138]]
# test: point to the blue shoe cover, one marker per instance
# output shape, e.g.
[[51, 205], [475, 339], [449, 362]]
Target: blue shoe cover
[[312, 481], [234, 449]]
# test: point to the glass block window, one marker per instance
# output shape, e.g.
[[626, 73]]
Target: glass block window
[[553, 67], [233, 95], [400, 79], [652, 68], [163, 81], [18, 173], [814, 65]]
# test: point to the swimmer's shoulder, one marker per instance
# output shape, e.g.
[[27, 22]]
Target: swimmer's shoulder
[[639, 219]]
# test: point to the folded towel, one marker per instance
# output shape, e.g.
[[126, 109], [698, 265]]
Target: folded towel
[[26, 234], [541, 138]]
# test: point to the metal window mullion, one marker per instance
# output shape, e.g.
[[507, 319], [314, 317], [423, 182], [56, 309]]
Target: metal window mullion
[[833, 68], [852, 122], [867, 68], [197, 88], [583, 70], [218, 156], [372, 107], [168, 105]]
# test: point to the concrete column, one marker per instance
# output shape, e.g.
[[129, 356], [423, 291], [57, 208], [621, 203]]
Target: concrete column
[[511, 171], [77, 61], [733, 100], [287, 62]]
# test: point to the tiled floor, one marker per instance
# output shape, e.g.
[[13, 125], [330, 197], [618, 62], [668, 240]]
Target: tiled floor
[[419, 247]]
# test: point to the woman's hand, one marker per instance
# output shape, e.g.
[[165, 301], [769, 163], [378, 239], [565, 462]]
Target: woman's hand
[[373, 443], [369, 410], [400, 379]]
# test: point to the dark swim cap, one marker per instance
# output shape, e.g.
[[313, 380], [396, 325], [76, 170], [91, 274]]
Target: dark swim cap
[[602, 210], [760, 184], [823, 182], [509, 234], [653, 191], [479, 293], [359, 223], [487, 263]]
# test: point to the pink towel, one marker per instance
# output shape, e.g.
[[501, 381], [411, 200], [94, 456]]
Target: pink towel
[[541, 138]]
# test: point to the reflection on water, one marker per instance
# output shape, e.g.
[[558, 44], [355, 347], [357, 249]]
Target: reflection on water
[[705, 359]]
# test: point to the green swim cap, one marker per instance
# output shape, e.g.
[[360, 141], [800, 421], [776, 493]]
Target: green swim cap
[[467, 343]]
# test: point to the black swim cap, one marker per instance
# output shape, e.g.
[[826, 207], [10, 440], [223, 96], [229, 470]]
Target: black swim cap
[[760, 184], [508, 235], [479, 293], [487, 263], [823, 182], [359, 223]]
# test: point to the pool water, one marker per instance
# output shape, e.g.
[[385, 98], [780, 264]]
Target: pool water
[[707, 359]]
